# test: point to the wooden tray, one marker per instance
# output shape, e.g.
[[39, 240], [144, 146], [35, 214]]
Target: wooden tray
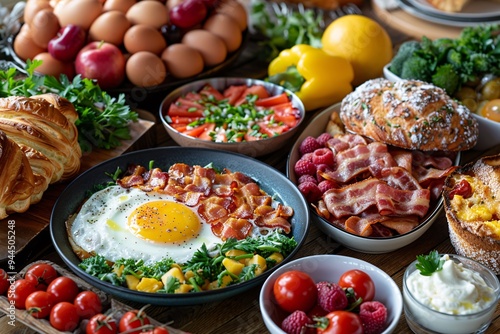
[[24, 321], [22, 228]]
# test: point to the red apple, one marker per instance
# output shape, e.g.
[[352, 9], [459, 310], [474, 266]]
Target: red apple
[[103, 62], [69, 40]]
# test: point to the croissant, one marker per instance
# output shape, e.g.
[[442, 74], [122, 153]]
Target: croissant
[[39, 146], [16, 178]]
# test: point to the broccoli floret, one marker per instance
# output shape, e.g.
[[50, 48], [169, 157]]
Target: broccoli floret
[[447, 78], [406, 50], [416, 68], [481, 62], [455, 58], [441, 47]]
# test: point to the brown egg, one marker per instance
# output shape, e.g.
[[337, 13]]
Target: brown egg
[[153, 13], [212, 48], [236, 10], [53, 66], [226, 28], [121, 5], [81, 13], [24, 46], [145, 69], [109, 27], [34, 6], [182, 61], [44, 26], [142, 37]]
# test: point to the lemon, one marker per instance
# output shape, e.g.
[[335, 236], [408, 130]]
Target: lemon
[[362, 41]]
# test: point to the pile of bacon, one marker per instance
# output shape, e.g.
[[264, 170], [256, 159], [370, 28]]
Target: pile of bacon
[[380, 190], [231, 202]]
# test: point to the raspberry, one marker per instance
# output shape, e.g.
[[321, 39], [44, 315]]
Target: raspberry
[[323, 138], [304, 167], [323, 156], [307, 157], [320, 169], [308, 145], [307, 178], [310, 191], [327, 185], [296, 323], [331, 297], [373, 316]]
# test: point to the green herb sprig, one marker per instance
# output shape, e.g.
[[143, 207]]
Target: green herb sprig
[[103, 120], [429, 264]]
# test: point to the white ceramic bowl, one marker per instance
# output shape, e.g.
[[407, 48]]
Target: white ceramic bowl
[[330, 268], [253, 148], [488, 129], [422, 319], [350, 240]]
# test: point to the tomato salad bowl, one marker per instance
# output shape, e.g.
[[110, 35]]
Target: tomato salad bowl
[[248, 116]]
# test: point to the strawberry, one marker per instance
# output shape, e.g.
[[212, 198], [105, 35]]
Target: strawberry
[[297, 323], [373, 316], [331, 297]]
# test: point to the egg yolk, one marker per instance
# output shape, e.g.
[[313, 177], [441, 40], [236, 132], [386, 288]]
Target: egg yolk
[[164, 221]]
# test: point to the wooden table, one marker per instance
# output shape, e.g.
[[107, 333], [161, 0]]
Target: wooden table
[[241, 314]]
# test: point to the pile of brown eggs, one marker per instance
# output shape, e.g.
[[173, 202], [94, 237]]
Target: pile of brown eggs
[[142, 30]]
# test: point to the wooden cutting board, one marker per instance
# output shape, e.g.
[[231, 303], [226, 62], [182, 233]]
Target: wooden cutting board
[[18, 230]]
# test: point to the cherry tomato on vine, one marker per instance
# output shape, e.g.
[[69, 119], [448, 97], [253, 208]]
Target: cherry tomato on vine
[[101, 324], [360, 282], [64, 289], [295, 290], [64, 317], [20, 291], [342, 322], [133, 319], [87, 304], [4, 282], [41, 274], [39, 304]]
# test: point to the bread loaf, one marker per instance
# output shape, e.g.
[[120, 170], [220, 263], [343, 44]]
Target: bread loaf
[[471, 204], [43, 132], [409, 114]]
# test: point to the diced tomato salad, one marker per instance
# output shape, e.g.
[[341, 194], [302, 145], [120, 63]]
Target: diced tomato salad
[[239, 113]]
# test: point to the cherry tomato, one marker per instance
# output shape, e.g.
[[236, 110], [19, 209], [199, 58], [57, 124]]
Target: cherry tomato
[[87, 304], [64, 317], [187, 14], [360, 282], [20, 291], [133, 319], [4, 282], [342, 322], [64, 289], [41, 274], [463, 188], [157, 330], [295, 290], [491, 110], [101, 324], [39, 304]]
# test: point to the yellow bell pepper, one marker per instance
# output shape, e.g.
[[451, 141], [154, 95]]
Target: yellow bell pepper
[[317, 78]]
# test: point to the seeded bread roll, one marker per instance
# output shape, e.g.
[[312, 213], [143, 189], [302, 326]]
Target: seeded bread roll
[[473, 212], [409, 114]]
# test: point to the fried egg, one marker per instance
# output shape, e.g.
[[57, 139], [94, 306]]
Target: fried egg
[[130, 223]]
